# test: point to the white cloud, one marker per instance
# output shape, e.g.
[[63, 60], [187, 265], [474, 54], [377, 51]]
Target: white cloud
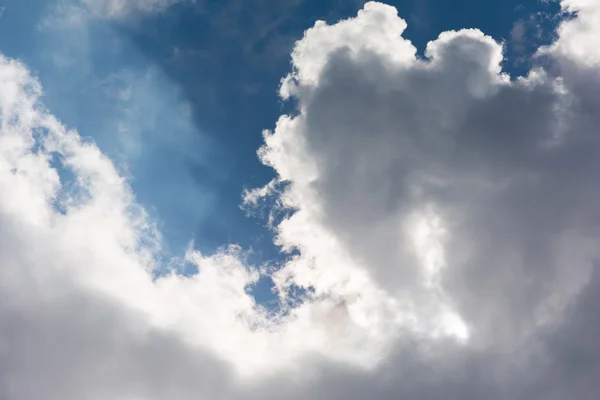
[[445, 218], [124, 8], [578, 37], [76, 13]]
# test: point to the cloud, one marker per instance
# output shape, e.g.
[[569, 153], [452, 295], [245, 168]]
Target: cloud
[[75, 13], [386, 145], [123, 8], [445, 226]]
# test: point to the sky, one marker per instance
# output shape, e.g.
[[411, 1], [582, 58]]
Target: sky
[[299, 199]]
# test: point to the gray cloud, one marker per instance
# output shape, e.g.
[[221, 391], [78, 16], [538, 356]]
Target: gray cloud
[[445, 218]]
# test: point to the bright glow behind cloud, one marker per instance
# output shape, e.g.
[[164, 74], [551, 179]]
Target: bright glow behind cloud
[[445, 218]]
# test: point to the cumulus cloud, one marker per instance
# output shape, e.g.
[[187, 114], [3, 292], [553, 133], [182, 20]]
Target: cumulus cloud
[[444, 225]]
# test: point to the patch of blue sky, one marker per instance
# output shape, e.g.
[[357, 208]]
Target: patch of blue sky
[[522, 25]]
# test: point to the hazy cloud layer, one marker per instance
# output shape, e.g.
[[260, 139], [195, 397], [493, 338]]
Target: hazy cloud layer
[[445, 221]]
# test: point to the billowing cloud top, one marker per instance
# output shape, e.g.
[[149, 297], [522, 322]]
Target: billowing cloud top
[[445, 225]]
